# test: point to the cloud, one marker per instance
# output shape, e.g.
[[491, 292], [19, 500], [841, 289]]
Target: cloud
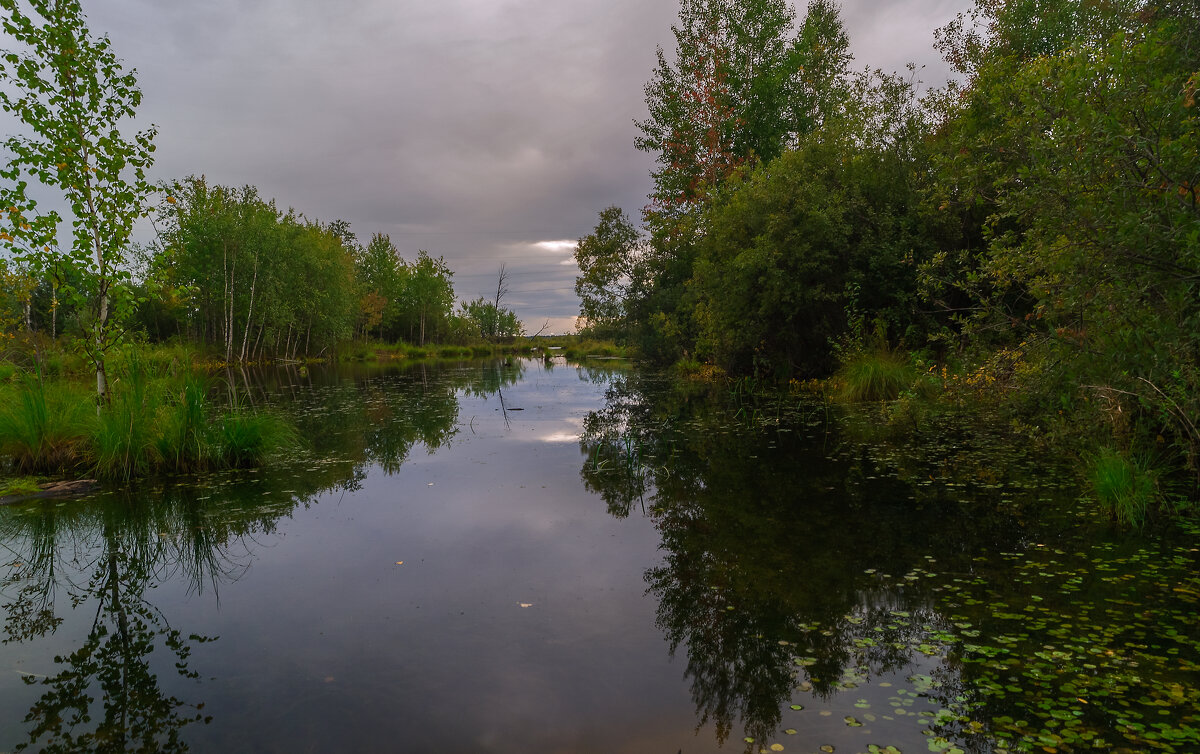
[[462, 127]]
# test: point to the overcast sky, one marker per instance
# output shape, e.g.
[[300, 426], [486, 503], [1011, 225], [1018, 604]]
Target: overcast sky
[[480, 130]]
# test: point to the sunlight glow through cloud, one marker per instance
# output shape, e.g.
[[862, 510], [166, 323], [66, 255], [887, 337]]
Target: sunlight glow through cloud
[[556, 247]]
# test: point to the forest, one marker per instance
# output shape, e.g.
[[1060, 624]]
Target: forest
[[1026, 237]]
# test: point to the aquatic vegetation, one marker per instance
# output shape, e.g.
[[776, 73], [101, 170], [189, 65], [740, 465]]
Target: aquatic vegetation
[[243, 438], [874, 376], [184, 424], [124, 444], [151, 425], [1124, 486]]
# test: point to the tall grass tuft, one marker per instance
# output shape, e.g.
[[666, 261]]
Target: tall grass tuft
[[45, 428], [125, 444], [182, 442], [242, 438], [875, 376], [1127, 487]]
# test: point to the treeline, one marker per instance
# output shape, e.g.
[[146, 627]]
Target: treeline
[[232, 272], [1034, 229]]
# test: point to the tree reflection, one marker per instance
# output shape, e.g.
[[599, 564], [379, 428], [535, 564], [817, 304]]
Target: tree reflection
[[104, 558], [770, 545]]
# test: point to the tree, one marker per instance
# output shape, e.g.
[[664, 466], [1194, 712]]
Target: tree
[[606, 258], [744, 84], [381, 276], [486, 321], [429, 293], [71, 92]]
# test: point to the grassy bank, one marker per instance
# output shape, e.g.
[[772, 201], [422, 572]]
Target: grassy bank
[[1121, 452], [571, 346], [1124, 457], [162, 417]]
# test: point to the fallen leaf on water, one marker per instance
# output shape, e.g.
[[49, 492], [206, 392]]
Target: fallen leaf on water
[[399, 562], [525, 604]]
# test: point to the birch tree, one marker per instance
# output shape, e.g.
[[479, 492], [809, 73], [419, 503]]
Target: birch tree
[[72, 95]]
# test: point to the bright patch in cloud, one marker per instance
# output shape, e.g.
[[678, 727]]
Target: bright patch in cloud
[[556, 247]]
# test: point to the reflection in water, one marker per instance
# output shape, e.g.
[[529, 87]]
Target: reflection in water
[[789, 564], [798, 571], [101, 559], [104, 557]]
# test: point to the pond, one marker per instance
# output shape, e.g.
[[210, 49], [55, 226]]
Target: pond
[[528, 556]]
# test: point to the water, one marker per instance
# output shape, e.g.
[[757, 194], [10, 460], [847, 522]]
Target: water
[[523, 557]]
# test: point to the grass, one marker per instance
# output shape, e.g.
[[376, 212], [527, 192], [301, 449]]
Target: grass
[[152, 424], [874, 376], [582, 349], [1126, 486], [45, 429], [244, 439]]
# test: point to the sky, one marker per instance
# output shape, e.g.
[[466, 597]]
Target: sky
[[483, 131]]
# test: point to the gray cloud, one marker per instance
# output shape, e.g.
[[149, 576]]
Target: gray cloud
[[469, 128]]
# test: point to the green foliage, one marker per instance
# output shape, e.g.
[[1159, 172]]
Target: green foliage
[[183, 424], [875, 376], [233, 271], [154, 423], [243, 438], [743, 83], [487, 321], [125, 442], [831, 228], [1073, 149], [45, 428], [19, 486], [607, 258], [1127, 487], [71, 93]]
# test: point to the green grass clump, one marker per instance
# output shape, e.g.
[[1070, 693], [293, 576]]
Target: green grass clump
[[45, 427], [125, 444], [7, 371], [183, 424], [243, 439], [874, 376], [1125, 486]]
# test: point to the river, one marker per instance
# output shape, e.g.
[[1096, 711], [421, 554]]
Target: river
[[518, 556]]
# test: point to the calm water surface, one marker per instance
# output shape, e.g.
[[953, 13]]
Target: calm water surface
[[520, 557]]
